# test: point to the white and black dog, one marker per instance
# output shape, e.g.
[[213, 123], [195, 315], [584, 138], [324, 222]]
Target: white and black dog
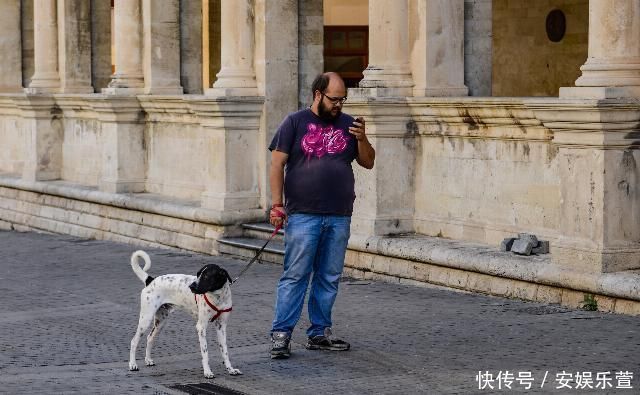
[[206, 296]]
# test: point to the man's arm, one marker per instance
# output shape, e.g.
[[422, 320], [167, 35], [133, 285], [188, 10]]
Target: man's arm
[[366, 154], [277, 215]]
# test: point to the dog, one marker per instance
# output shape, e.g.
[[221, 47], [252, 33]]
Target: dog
[[207, 296]]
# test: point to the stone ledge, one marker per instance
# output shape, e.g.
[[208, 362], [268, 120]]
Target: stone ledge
[[145, 202], [474, 258]]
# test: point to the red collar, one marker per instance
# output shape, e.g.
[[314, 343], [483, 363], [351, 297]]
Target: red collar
[[217, 310]]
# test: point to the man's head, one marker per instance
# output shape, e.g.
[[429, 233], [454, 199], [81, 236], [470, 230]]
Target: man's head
[[329, 94]]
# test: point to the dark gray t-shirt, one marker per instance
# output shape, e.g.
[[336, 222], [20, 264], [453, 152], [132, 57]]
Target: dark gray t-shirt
[[318, 174]]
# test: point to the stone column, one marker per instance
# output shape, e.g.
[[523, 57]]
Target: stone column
[[437, 58], [44, 135], [123, 149], [388, 72], [161, 59], [128, 77], [310, 40], [385, 194], [612, 68], [229, 130], [10, 47], [191, 54], [46, 77], [74, 38], [237, 75]]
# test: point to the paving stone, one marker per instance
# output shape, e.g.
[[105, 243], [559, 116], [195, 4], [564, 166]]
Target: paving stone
[[70, 306]]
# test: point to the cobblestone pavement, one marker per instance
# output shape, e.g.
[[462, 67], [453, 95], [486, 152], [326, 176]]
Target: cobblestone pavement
[[69, 308]]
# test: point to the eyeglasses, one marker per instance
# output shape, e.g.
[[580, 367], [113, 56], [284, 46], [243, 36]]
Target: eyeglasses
[[335, 100]]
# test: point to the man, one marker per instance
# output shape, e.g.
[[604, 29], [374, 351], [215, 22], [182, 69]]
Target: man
[[316, 147]]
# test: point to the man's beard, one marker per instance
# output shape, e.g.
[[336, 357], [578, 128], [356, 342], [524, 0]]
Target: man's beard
[[325, 113]]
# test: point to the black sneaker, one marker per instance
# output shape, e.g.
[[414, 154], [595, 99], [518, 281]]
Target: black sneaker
[[327, 342], [280, 348]]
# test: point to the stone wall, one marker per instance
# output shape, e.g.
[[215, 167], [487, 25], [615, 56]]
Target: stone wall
[[525, 61], [12, 137], [485, 170]]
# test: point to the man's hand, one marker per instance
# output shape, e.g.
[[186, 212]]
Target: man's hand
[[277, 216], [366, 154], [358, 129]]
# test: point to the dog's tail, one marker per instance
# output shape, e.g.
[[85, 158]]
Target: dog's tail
[[141, 272]]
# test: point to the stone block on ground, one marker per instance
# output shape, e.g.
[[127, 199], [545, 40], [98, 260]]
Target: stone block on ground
[[522, 247], [541, 248], [528, 237], [507, 243]]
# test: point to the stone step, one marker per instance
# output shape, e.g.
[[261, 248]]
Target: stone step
[[247, 247], [261, 230]]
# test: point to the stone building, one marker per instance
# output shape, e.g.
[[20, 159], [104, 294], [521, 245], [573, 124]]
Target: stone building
[[147, 121]]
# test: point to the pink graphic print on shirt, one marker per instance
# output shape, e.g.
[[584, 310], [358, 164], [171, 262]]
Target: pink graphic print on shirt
[[319, 141]]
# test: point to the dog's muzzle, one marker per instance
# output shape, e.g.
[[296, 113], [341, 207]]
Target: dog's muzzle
[[194, 288]]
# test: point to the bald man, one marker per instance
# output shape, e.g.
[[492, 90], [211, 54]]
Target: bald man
[[315, 148]]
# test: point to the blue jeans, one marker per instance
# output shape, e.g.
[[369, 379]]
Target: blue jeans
[[313, 243]]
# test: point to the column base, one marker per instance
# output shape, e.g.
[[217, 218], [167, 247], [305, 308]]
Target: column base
[[40, 175], [44, 82], [599, 92]]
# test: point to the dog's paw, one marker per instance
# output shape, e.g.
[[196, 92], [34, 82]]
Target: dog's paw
[[149, 362], [133, 367], [209, 375], [234, 372]]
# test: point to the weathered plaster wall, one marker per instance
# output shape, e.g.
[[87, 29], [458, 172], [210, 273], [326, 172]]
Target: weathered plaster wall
[[525, 61], [81, 151], [175, 166], [12, 137], [483, 174]]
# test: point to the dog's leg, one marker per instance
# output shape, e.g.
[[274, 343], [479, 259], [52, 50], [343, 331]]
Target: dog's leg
[[160, 319], [221, 332], [144, 323], [201, 327]]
